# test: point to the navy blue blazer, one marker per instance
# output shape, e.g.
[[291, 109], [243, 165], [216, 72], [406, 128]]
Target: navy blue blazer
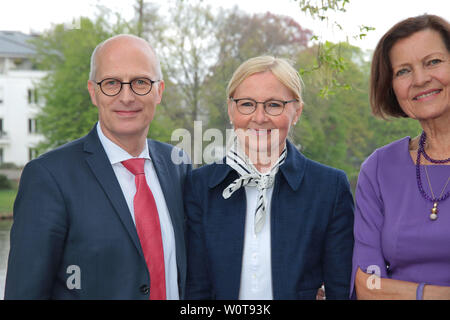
[[311, 231], [70, 212]]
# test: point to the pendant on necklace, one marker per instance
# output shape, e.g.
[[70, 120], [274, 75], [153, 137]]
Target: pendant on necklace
[[434, 211]]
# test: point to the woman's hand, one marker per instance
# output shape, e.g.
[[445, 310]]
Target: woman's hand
[[321, 293]]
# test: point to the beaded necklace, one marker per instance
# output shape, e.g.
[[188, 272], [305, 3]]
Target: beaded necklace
[[442, 197]]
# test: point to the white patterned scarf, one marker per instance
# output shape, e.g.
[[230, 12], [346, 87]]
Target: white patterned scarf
[[250, 176]]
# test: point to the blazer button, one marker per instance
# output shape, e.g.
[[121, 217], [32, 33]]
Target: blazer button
[[144, 289]]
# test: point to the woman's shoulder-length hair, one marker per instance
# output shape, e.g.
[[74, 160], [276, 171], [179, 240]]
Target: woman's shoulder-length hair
[[382, 97]]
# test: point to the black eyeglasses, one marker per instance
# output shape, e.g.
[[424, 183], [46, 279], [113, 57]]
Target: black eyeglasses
[[272, 107], [141, 86]]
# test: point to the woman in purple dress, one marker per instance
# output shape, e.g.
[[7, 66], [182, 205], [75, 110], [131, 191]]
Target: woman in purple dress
[[402, 217]]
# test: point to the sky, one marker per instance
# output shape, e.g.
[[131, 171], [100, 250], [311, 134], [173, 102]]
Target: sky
[[36, 16]]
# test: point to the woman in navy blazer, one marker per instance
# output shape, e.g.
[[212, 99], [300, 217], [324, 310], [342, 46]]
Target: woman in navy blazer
[[268, 223]]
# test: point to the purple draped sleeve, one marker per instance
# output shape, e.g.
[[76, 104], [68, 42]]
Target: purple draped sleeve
[[369, 217]]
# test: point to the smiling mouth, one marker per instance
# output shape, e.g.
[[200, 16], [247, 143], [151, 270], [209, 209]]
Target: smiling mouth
[[428, 94], [260, 132], [127, 113]]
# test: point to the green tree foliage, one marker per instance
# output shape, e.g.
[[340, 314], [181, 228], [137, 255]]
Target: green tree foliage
[[5, 183], [65, 51], [67, 113], [187, 52], [328, 60], [340, 130], [242, 36], [199, 50]]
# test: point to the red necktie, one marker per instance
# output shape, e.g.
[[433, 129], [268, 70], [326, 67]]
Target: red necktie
[[148, 229]]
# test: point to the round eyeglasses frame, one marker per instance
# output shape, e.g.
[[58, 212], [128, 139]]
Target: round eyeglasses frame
[[264, 103], [100, 84]]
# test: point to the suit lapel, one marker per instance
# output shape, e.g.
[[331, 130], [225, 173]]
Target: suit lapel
[[104, 173], [165, 178], [169, 183]]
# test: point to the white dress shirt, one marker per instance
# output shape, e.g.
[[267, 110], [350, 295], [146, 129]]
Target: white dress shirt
[[256, 274], [127, 183]]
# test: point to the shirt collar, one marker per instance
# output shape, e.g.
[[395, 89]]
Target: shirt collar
[[292, 169], [115, 153]]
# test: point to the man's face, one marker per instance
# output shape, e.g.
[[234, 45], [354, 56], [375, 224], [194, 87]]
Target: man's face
[[126, 115]]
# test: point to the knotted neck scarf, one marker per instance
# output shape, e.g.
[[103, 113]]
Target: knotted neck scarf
[[250, 176]]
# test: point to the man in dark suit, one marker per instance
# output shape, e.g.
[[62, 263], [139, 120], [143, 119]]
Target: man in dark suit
[[102, 217]]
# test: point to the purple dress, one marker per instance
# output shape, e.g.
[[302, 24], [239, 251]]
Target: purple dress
[[393, 230]]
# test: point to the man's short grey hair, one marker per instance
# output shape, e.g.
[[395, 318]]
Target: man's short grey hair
[[93, 71]]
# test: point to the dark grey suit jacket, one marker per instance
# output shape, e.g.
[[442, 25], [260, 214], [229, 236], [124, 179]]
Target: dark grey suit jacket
[[70, 212], [311, 231]]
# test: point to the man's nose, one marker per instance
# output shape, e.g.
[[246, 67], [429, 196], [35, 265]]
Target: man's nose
[[127, 95]]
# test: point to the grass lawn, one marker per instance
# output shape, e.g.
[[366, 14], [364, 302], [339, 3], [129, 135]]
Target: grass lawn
[[7, 201]]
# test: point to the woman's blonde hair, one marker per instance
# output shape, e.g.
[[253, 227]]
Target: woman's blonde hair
[[279, 67]]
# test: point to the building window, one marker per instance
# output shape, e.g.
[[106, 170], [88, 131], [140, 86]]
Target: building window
[[1, 156], [2, 133], [32, 126], [32, 96], [1, 95], [32, 153]]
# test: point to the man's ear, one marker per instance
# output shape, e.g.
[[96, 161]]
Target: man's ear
[[91, 88], [160, 90]]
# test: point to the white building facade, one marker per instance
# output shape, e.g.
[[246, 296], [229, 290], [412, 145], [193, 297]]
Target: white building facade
[[18, 99]]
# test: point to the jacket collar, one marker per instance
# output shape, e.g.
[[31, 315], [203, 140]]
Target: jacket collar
[[101, 168], [292, 169], [92, 142]]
